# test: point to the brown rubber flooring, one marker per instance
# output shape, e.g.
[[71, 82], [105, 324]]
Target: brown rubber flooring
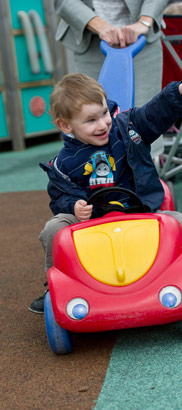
[[32, 376]]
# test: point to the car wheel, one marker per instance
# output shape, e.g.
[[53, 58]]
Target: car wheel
[[60, 340]]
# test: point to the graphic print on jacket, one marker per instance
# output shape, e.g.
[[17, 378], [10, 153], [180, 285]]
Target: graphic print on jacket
[[101, 169]]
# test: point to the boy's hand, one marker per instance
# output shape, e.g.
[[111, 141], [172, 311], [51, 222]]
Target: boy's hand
[[180, 88], [82, 211]]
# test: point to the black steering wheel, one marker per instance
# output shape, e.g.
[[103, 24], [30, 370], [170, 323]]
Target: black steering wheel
[[99, 198]]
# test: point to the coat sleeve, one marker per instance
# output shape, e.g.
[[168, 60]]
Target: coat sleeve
[[76, 14], [62, 202], [63, 192], [158, 115], [154, 9]]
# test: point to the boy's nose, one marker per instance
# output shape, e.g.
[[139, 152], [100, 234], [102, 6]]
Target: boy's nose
[[102, 124]]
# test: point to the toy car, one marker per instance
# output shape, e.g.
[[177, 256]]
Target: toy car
[[119, 271]]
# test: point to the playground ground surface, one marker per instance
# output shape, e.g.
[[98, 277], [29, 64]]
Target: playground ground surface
[[135, 369]]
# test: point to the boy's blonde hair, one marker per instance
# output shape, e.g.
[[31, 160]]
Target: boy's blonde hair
[[71, 93]]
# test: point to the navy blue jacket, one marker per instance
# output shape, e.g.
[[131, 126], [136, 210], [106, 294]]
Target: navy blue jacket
[[125, 161]]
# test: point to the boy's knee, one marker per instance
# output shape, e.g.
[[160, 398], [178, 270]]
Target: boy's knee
[[55, 224], [50, 229]]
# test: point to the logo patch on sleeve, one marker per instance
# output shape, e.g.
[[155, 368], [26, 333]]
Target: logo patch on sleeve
[[135, 137]]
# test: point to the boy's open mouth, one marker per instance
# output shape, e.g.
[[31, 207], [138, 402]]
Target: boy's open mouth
[[102, 135]]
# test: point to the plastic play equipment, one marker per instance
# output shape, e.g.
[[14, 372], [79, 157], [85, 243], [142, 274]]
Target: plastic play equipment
[[118, 65], [113, 272], [44, 46], [30, 39], [117, 271], [26, 20]]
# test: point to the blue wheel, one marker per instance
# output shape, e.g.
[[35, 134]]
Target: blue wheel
[[60, 340]]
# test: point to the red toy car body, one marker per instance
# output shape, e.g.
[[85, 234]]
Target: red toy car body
[[116, 307], [114, 272]]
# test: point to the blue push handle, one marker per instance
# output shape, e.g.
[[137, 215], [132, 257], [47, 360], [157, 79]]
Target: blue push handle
[[133, 49], [117, 73]]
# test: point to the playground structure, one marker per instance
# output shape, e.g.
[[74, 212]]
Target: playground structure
[[30, 62]]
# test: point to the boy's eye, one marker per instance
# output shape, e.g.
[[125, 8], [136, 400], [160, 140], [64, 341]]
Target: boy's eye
[[91, 120], [105, 112]]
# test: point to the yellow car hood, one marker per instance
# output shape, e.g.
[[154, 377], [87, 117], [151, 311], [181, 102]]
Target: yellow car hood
[[118, 253]]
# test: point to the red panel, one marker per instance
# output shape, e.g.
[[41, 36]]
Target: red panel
[[171, 71], [168, 203]]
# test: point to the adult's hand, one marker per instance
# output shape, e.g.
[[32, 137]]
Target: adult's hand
[[132, 32], [115, 36], [112, 35]]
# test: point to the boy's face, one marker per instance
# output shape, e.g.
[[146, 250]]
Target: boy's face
[[91, 125]]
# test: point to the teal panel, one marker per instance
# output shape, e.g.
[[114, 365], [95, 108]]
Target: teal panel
[[16, 5], [33, 123], [23, 62], [3, 125]]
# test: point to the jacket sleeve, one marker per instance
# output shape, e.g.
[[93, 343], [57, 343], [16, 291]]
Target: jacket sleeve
[[76, 14], [154, 9], [61, 201], [159, 114], [63, 192]]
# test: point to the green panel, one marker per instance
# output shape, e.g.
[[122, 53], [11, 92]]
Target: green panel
[[23, 62], [33, 123], [16, 5], [3, 125]]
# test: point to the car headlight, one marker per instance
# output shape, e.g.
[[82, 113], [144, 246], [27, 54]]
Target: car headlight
[[77, 308], [170, 296]]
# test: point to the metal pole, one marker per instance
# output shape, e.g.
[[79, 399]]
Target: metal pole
[[16, 132], [165, 172], [58, 50]]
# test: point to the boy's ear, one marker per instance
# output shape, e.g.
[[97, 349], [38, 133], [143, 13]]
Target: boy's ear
[[63, 126]]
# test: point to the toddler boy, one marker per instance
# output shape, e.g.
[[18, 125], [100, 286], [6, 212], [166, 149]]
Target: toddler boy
[[102, 149]]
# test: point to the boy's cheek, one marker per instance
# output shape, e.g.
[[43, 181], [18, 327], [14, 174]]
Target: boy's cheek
[[110, 126]]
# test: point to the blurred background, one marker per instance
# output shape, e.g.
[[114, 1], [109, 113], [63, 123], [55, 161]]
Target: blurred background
[[31, 61]]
